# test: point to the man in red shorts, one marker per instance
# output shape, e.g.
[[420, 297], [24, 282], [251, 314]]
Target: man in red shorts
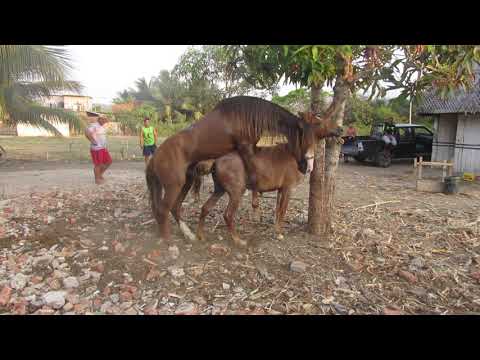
[[96, 134]]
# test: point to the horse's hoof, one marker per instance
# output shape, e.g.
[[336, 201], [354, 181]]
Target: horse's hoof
[[187, 232], [240, 243]]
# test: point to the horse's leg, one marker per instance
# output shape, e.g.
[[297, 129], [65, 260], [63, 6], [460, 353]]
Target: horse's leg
[[177, 208], [211, 202], [197, 184], [246, 152], [255, 206], [229, 216], [172, 191], [282, 208]]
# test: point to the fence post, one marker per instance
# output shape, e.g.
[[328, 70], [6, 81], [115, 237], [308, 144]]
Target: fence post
[[127, 151], [420, 165], [444, 170]]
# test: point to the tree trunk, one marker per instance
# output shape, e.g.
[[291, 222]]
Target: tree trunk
[[327, 152], [317, 176]]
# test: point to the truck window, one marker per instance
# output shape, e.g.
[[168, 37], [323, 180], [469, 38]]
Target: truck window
[[405, 133], [422, 131]]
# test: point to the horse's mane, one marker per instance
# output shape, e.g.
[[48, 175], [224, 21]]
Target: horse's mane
[[255, 117]]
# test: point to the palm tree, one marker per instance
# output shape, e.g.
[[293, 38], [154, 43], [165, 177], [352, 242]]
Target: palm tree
[[29, 73]]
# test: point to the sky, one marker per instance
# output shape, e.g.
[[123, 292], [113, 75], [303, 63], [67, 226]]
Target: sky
[[104, 70]]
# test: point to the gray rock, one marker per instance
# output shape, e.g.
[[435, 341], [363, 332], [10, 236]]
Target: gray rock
[[416, 264], [29, 291], [126, 305], [340, 309], [115, 298], [105, 306], [200, 300], [176, 271], [298, 266], [59, 274], [19, 281], [368, 232], [418, 291], [174, 252], [71, 282], [84, 277], [95, 275], [38, 302], [30, 298], [55, 299], [226, 286], [186, 309]]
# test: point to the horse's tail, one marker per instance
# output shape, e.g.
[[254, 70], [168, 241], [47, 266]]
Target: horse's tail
[[154, 187], [217, 187]]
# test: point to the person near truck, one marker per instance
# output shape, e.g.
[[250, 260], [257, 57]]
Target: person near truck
[[389, 140], [351, 134]]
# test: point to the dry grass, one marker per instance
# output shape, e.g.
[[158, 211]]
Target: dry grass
[[60, 148]]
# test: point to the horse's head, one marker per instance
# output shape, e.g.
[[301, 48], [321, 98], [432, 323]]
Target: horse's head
[[311, 129], [321, 127]]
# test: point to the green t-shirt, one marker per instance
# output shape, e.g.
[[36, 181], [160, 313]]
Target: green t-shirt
[[148, 136]]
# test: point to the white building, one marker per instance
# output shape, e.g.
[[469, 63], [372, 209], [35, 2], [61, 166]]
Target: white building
[[456, 127], [77, 103]]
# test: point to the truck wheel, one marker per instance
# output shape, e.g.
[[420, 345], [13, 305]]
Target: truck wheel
[[383, 159]]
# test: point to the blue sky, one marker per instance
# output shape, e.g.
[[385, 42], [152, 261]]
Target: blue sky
[[105, 70]]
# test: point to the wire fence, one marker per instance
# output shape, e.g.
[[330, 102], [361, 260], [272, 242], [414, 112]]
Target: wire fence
[[73, 148]]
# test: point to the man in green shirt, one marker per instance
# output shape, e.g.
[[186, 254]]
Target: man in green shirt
[[148, 139]]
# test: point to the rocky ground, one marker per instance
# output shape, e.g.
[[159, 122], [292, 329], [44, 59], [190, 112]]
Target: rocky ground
[[73, 248]]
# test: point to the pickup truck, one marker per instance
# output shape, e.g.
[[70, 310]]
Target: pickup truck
[[412, 141]]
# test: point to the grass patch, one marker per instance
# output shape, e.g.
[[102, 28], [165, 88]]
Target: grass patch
[[63, 148]]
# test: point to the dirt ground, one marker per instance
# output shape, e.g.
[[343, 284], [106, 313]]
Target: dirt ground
[[70, 247]]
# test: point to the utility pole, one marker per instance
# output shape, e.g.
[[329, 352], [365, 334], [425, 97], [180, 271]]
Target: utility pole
[[410, 117]]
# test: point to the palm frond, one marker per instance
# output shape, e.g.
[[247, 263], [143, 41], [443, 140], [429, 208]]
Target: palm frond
[[42, 117], [34, 63], [40, 89]]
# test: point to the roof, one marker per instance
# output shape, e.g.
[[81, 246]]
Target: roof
[[72, 95], [459, 102], [408, 125]]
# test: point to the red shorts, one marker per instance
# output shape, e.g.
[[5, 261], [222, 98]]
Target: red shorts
[[100, 157]]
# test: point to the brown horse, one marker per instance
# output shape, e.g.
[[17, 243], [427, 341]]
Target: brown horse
[[277, 170], [237, 124]]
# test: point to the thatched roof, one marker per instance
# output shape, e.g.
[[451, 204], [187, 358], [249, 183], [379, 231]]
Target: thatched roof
[[459, 101]]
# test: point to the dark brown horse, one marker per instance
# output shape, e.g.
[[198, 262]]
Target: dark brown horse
[[234, 124], [276, 169]]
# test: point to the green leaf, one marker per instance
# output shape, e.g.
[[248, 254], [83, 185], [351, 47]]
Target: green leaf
[[315, 53]]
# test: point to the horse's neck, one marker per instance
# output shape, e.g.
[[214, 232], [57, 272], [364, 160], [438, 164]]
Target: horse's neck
[[280, 150]]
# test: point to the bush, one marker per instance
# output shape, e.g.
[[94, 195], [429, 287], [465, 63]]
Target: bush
[[166, 130]]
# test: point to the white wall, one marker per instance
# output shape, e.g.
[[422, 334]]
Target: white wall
[[28, 130], [445, 130], [468, 133]]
